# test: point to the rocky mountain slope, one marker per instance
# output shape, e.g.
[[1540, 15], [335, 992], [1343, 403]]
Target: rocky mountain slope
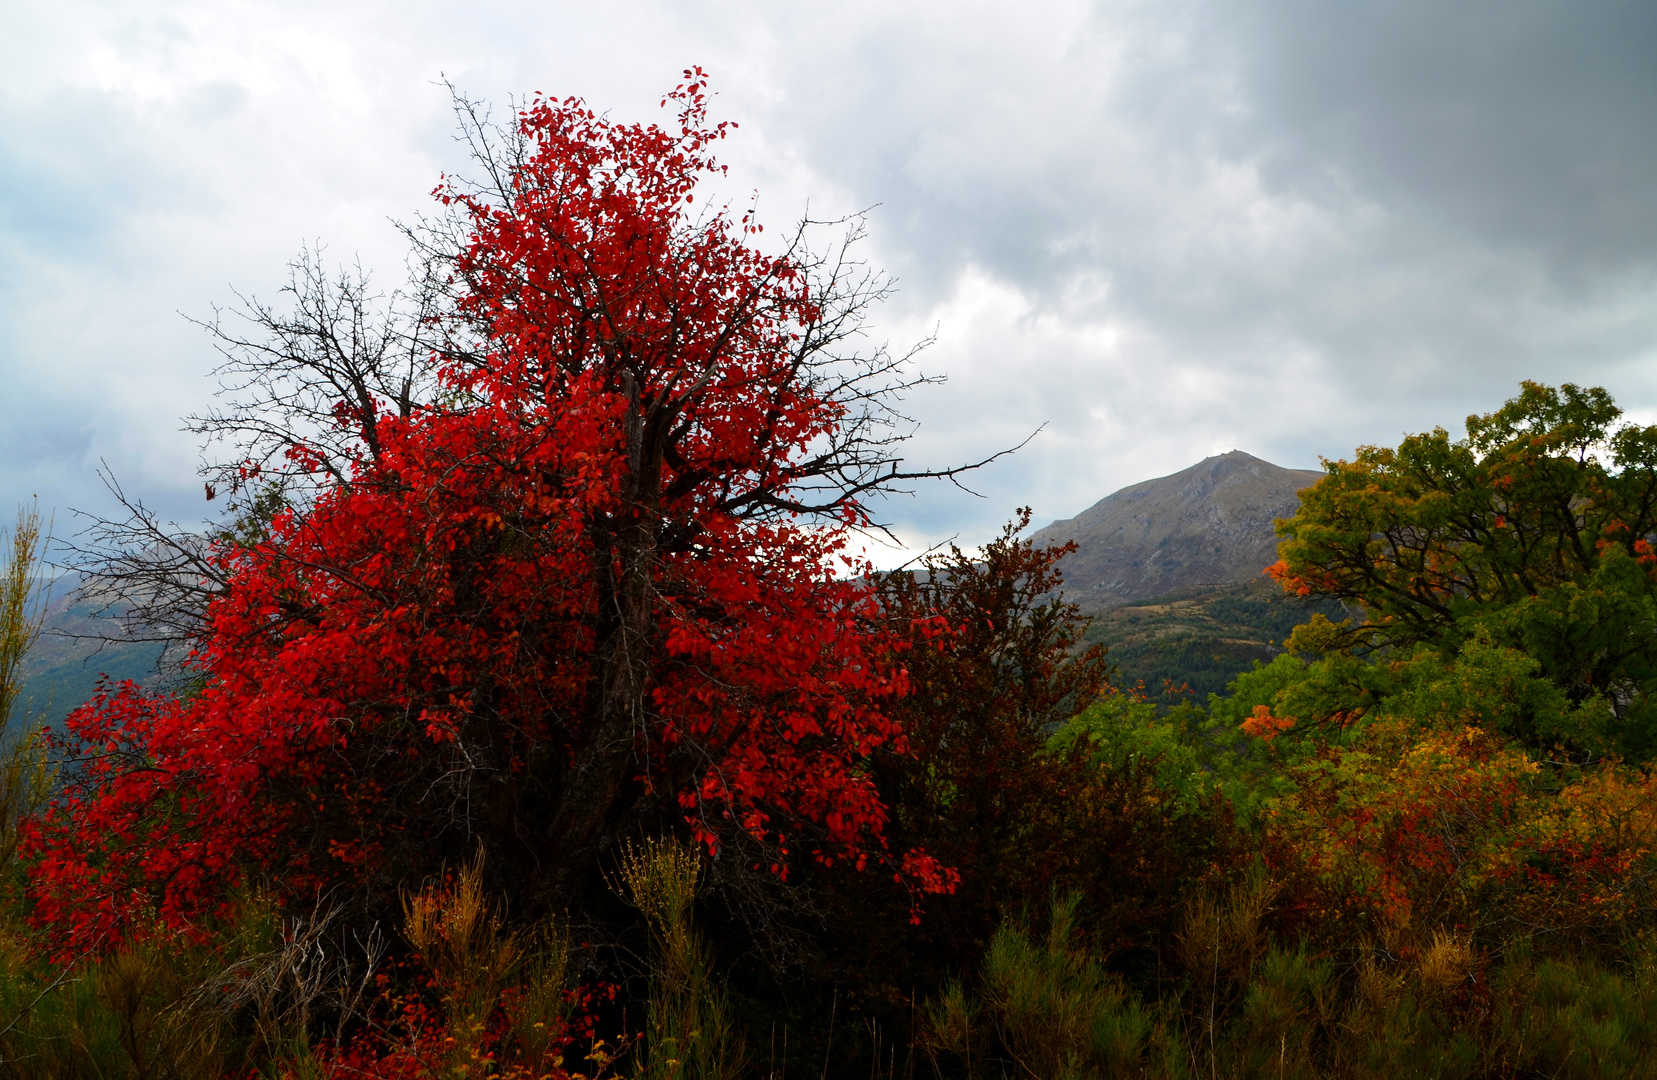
[[1210, 525]]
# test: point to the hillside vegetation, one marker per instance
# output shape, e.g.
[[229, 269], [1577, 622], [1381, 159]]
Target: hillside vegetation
[[1367, 856], [1172, 573], [71, 656], [1193, 642]]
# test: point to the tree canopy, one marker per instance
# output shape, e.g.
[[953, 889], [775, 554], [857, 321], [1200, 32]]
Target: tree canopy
[[569, 599], [1533, 532]]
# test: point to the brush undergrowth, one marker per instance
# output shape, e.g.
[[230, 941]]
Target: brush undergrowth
[[1250, 1006]]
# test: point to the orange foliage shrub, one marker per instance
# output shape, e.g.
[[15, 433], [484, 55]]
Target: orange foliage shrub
[[1405, 831]]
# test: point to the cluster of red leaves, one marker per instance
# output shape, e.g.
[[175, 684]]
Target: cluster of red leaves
[[412, 1041], [132, 791], [446, 606], [417, 1048]]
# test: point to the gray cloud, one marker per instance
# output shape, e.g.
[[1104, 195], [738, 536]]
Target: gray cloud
[[1521, 125], [1303, 226], [1162, 229]]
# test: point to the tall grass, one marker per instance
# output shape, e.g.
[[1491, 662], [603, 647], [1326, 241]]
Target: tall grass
[[1046, 1008], [137, 1012], [689, 1032], [471, 957], [21, 614], [502, 992]]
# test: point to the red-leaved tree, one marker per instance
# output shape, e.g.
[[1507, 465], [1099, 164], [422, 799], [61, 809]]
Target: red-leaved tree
[[595, 587]]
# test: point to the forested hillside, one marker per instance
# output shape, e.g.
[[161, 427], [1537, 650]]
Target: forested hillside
[[539, 722], [1195, 642], [1173, 573]]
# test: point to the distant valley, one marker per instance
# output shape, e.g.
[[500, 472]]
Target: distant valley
[[63, 668]]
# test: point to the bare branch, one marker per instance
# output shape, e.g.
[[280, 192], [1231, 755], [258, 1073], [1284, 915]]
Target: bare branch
[[304, 387], [150, 580]]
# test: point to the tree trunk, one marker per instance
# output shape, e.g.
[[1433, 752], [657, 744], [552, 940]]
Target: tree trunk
[[601, 793]]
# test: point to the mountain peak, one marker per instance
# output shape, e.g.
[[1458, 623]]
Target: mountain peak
[[1210, 524]]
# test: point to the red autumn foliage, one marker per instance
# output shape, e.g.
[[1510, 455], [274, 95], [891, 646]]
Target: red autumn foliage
[[573, 601]]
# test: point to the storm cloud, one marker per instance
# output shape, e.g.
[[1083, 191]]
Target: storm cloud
[[1160, 230]]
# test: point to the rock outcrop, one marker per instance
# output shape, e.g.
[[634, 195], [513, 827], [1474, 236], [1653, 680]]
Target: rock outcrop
[[1208, 525]]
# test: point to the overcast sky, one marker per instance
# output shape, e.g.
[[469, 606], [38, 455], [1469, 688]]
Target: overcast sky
[[1162, 230]]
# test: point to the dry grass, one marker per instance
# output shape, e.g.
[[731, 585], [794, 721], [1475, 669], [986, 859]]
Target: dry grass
[[470, 954], [20, 613], [1447, 962], [689, 1032]]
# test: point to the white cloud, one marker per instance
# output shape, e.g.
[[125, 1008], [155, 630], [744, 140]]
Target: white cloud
[[1163, 230]]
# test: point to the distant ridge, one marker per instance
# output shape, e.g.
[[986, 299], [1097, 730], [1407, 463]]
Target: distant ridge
[[1208, 525], [67, 661]]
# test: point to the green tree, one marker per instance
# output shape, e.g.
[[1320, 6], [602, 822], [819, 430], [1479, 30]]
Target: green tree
[[1531, 533]]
